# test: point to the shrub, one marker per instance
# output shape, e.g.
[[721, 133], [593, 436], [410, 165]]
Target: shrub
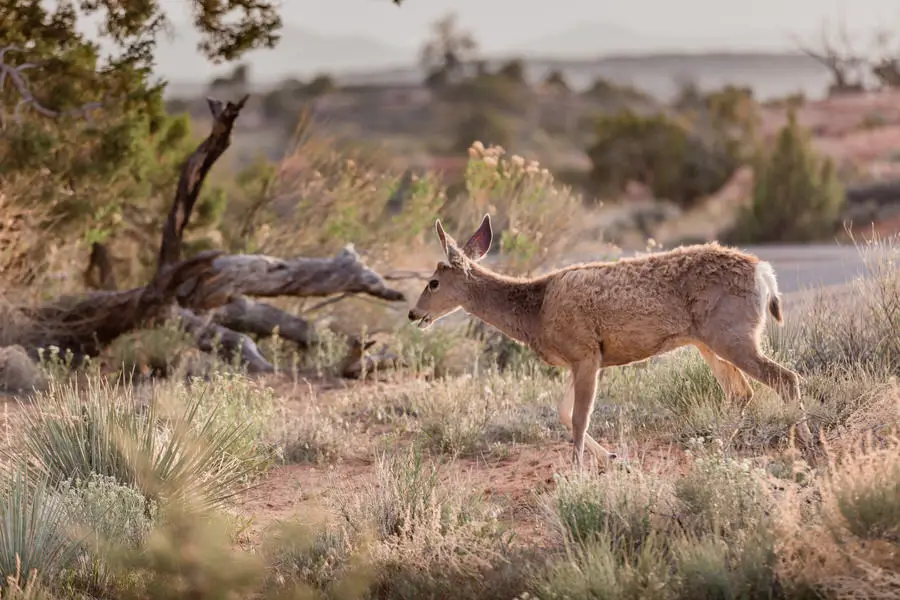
[[189, 557], [619, 508], [324, 558], [431, 539], [165, 451], [112, 511], [864, 494], [533, 216], [468, 416], [486, 125], [101, 512], [660, 152], [721, 496], [318, 199], [311, 437], [797, 196], [597, 571]]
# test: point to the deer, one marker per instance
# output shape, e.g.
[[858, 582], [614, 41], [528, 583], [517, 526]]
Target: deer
[[590, 316]]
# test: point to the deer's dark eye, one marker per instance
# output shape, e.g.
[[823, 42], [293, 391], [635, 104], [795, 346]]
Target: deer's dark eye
[[433, 284]]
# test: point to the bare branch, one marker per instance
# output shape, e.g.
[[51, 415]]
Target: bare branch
[[20, 82], [265, 276], [193, 174], [324, 303]]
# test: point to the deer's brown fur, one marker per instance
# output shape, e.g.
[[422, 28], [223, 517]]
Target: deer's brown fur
[[603, 314]]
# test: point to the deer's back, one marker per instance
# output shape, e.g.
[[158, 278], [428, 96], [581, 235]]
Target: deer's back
[[644, 305]]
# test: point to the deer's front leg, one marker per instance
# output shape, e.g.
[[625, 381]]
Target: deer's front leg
[[566, 408], [585, 388]]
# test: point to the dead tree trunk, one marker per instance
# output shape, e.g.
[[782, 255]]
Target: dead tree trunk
[[193, 174]]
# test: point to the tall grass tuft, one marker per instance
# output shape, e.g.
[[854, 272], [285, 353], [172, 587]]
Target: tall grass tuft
[[165, 450], [34, 540]]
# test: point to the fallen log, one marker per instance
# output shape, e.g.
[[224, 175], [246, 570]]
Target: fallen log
[[84, 326], [261, 320], [208, 294], [359, 363], [213, 338], [257, 275]]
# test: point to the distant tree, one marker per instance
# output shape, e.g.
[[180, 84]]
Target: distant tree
[[797, 196], [445, 53], [513, 70], [839, 57], [556, 80], [660, 152], [321, 84]]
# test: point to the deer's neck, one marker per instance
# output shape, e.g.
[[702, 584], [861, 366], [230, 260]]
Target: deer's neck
[[511, 305]]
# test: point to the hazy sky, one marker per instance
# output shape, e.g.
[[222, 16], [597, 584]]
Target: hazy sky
[[499, 24]]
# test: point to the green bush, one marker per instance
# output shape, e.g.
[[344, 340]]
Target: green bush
[[797, 196], [100, 512], [484, 125], [659, 152]]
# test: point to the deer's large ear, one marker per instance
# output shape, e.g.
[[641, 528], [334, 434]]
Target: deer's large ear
[[480, 242], [441, 235], [454, 255]]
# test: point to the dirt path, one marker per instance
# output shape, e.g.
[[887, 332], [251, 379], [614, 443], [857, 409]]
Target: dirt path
[[515, 483]]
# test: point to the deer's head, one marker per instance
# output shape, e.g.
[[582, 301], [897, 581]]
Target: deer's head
[[446, 290]]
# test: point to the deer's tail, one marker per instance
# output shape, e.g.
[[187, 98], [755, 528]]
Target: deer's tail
[[767, 286]]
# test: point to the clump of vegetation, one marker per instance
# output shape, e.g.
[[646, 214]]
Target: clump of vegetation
[[797, 196], [486, 125], [170, 446], [535, 216], [661, 152], [33, 537]]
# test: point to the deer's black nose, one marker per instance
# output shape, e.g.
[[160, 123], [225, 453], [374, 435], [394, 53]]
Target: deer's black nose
[[412, 315]]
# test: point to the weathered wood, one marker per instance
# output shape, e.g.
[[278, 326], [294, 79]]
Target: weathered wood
[[358, 363], [211, 337], [260, 319], [238, 275], [87, 324], [211, 282], [193, 174]]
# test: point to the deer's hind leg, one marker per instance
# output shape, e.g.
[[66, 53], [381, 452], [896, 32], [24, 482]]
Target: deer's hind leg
[[742, 350], [732, 380]]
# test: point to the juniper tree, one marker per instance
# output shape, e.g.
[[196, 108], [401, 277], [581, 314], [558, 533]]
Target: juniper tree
[[85, 141]]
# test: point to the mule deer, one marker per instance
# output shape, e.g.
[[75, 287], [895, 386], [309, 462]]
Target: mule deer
[[589, 316]]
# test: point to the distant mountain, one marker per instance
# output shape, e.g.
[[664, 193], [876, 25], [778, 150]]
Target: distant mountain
[[299, 53], [591, 40]]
